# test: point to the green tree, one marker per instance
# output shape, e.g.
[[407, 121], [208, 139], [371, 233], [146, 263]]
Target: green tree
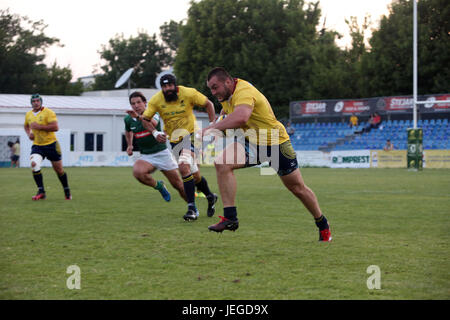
[[387, 69], [342, 68], [141, 52], [274, 44], [57, 81], [170, 33], [22, 51]]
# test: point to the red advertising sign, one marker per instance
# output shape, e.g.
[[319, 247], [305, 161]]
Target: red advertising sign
[[352, 106], [398, 103], [432, 99], [314, 107]]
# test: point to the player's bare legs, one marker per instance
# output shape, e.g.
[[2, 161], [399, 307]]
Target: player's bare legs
[[174, 178], [233, 157], [294, 182], [142, 172]]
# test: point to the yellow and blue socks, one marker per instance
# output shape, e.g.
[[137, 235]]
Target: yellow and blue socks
[[202, 186], [37, 175], [322, 223], [189, 189], [63, 179]]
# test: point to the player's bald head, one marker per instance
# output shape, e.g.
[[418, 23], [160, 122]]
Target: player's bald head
[[220, 73]]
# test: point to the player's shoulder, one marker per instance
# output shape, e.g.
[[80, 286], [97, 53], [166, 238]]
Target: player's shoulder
[[48, 111], [127, 118], [244, 89], [156, 98], [243, 85], [187, 91]]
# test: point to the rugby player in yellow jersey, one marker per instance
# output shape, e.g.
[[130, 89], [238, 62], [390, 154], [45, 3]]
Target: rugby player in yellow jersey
[[40, 125], [266, 139], [175, 105]]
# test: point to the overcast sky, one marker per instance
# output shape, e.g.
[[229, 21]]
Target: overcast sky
[[83, 26]]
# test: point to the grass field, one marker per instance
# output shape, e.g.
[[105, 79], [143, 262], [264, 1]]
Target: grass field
[[130, 244]]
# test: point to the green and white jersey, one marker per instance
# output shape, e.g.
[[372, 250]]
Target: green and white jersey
[[146, 142]]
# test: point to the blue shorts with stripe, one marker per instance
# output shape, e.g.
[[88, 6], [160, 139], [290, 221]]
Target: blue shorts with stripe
[[50, 151], [282, 158]]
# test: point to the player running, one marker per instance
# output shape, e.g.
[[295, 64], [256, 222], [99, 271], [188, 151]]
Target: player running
[[154, 155], [266, 139], [175, 105], [40, 125]]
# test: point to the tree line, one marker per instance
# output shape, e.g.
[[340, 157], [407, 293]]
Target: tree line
[[277, 45]]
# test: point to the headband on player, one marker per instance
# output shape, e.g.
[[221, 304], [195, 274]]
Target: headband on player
[[36, 96], [168, 79]]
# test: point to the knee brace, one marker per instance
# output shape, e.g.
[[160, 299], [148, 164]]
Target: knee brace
[[194, 167], [37, 159], [188, 159]]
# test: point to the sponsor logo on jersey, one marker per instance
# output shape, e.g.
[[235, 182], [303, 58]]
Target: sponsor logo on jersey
[[142, 134]]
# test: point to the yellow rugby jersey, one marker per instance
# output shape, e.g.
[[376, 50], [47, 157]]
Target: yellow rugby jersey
[[176, 114], [44, 117], [262, 121]]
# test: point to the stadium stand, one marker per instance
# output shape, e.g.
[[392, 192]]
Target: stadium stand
[[328, 136]]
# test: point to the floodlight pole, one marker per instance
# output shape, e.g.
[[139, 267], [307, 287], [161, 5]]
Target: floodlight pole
[[415, 63]]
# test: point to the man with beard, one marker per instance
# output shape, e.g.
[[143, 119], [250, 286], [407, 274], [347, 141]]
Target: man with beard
[[266, 139], [175, 105]]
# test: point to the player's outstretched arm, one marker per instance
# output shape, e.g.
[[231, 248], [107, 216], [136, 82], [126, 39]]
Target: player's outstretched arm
[[210, 110]]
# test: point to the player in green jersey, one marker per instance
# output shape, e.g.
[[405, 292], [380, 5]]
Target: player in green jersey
[[154, 155]]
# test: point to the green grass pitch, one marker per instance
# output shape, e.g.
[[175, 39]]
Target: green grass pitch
[[130, 244]]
